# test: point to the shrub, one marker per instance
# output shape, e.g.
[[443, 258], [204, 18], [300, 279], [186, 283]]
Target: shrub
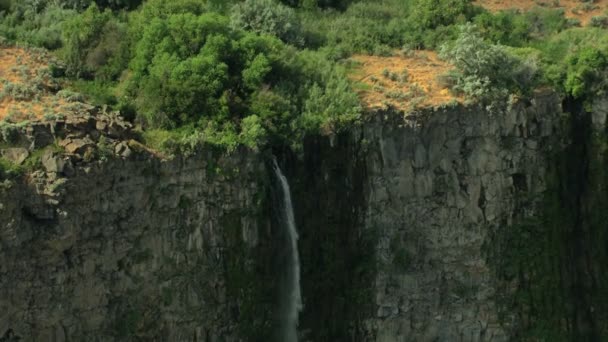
[[8, 170], [371, 27], [486, 71], [505, 27], [586, 72], [253, 133], [397, 95], [35, 24], [185, 77], [237, 87], [109, 55], [599, 21], [435, 13], [70, 96], [80, 34], [267, 17], [97, 92], [20, 92], [332, 108], [8, 132]]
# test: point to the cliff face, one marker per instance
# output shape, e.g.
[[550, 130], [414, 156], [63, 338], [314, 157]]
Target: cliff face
[[401, 219], [135, 249], [440, 191], [403, 229]]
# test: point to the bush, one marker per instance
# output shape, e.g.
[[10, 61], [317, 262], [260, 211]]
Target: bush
[[8, 170], [253, 133], [434, 13], [586, 72], [331, 109], [599, 21], [9, 133], [109, 56], [19, 91], [97, 92], [80, 34], [486, 71], [505, 27], [70, 96], [37, 25], [267, 17], [184, 77]]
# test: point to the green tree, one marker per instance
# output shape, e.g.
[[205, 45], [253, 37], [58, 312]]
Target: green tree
[[80, 34]]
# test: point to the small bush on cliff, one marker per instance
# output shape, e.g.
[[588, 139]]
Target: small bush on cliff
[[8, 170], [486, 71], [332, 108]]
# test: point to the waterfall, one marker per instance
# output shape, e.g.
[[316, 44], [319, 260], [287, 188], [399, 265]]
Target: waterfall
[[291, 304]]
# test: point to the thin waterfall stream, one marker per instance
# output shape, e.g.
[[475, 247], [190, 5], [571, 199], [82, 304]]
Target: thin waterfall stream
[[291, 303]]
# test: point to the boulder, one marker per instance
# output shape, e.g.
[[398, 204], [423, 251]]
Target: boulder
[[123, 150], [17, 155], [76, 146], [52, 162]]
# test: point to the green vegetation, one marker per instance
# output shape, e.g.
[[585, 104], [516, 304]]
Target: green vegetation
[[486, 71], [8, 170], [267, 17], [264, 72]]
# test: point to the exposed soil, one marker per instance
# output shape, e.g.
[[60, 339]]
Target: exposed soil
[[34, 90], [405, 82]]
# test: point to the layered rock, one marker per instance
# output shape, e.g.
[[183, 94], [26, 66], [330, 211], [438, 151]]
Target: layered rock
[[130, 246], [441, 186], [397, 219]]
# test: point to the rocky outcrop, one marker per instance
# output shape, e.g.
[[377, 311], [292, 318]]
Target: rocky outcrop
[[131, 247]]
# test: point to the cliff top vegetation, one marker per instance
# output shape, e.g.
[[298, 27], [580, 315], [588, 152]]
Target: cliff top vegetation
[[29, 91], [581, 11], [407, 80], [265, 72]]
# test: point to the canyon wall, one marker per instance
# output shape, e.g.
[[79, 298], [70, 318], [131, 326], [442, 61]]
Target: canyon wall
[[430, 193], [441, 189], [135, 248], [406, 234]]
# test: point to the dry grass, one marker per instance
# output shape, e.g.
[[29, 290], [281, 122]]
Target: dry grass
[[34, 90], [405, 82], [574, 9]]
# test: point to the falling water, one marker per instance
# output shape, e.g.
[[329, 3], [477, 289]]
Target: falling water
[[292, 303]]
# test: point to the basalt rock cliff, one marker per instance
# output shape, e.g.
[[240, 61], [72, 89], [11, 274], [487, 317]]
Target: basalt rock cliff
[[452, 224]]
